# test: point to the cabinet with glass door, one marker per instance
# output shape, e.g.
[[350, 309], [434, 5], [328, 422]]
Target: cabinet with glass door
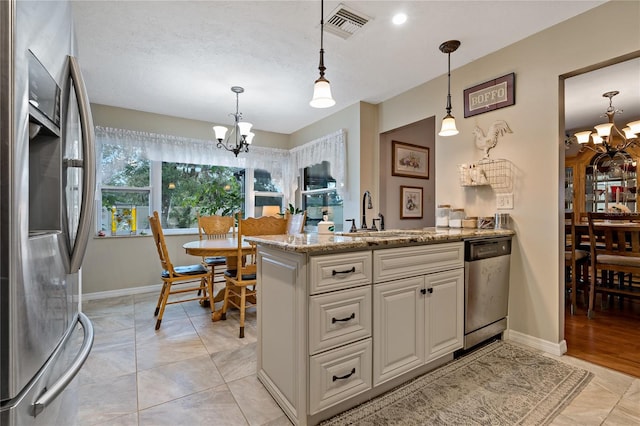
[[611, 183]]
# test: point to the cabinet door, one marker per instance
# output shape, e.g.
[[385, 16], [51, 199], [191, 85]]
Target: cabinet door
[[398, 328], [444, 312]]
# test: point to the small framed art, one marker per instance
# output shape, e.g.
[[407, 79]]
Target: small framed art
[[410, 202], [410, 160]]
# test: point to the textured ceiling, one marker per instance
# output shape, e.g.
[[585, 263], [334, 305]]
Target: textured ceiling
[[180, 58]]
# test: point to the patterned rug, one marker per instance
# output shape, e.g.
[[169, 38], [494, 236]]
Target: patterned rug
[[499, 384]]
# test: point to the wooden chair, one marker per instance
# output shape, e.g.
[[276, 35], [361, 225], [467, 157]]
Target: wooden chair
[[295, 222], [174, 275], [240, 290], [576, 261], [215, 227], [615, 250]]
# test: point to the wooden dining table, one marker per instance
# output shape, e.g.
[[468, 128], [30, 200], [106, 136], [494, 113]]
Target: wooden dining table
[[226, 247]]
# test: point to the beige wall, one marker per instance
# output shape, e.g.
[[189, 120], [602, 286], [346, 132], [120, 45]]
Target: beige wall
[[535, 147]]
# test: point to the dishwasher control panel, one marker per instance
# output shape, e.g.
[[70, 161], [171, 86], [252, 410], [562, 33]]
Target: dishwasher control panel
[[484, 249]]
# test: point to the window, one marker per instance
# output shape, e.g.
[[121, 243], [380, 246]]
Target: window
[[268, 198], [319, 195], [132, 190]]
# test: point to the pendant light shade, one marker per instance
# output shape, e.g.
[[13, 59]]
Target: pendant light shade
[[322, 94], [449, 121], [321, 89], [448, 126]]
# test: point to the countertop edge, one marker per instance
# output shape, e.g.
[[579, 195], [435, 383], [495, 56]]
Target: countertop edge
[[314, 243]]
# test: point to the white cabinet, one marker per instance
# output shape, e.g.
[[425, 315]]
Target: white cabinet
[[420, 318], [332, 327]]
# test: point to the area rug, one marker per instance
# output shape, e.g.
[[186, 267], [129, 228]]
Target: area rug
[[499, 384]]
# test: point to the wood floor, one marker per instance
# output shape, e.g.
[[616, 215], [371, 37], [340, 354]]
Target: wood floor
[[611, 339]]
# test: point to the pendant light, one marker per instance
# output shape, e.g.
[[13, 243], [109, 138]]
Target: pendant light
[[321, 89], [449, 121]]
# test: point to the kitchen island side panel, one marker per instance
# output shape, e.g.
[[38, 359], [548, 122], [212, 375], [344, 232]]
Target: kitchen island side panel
[[282, 325]]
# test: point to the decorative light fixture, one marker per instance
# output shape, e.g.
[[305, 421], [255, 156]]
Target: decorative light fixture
[[241, 130], [449, 121], [603, 138], [321, 89]]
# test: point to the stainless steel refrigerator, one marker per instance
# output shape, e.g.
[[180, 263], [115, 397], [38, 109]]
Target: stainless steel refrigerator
[[47, 178]]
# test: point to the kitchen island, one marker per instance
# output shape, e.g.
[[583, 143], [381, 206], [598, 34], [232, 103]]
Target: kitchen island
[[344, 318]]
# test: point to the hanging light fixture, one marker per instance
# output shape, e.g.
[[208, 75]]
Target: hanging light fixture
[[603, 137], [321, 89], [449, 121], [241, 131]]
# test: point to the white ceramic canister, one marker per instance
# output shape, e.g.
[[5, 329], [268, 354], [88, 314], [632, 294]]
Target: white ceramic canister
[[455, 218], [442, 215], [325, 226]]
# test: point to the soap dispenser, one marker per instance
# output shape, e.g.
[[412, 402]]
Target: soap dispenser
[[325, 226]]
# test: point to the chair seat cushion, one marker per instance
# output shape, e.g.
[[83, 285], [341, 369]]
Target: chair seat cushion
[[187, 270], [619, 260], [232, 274], [215, 260]]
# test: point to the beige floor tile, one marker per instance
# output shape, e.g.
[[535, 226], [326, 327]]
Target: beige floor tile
[[593, 404], [102, 402], [104, 324], [221, 336], [255, 402], [210, 407], [620, 417], [237, 363], [176, 380], [154, 354], [126, 420], [110, 306]]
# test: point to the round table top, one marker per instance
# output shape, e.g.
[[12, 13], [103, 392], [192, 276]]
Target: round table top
[[221, 247]]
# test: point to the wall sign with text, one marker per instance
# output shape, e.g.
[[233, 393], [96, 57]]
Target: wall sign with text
[[491, 95]]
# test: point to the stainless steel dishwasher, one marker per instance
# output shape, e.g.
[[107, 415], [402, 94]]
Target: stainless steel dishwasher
[[486, 288]]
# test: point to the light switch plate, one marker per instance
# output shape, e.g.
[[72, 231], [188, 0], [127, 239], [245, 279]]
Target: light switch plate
[[504, 201]]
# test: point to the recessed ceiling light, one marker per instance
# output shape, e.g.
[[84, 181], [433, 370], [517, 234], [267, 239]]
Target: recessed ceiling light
[[399, 18]]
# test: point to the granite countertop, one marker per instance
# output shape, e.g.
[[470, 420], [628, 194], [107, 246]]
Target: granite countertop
[[314, 243]]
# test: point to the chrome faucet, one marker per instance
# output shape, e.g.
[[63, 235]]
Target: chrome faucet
[[366, 196]]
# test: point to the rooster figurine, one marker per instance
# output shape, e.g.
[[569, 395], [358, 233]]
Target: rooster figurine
[[486, 143]]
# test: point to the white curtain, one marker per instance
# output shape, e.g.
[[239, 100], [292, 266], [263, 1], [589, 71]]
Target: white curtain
[[284, 165]]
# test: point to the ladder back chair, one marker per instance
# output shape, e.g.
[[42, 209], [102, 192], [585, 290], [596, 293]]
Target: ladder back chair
[[195, 277], [615, 250], [215, 227], [240, 290], [295, 222], [576, 261]]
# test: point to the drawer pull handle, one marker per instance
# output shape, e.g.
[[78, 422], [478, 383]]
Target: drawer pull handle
[[350, 317], [353, 269], [426, 290], [346, 376]]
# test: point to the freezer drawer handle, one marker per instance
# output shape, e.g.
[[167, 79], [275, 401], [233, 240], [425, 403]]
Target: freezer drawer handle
[[348, 271], [350, 317], [52, 392], [346, 376]]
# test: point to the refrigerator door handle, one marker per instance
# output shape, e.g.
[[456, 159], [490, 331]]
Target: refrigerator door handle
[[53, 391], [89, 169]]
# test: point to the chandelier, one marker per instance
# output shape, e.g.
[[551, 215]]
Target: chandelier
[[603, 137], [241, 136]]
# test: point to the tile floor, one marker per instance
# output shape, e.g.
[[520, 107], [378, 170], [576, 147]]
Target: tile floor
[[193, 371]]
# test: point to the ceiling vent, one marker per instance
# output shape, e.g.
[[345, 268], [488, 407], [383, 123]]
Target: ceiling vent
[[345, 22]]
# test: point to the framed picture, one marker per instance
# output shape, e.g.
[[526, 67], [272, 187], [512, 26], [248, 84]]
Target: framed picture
[[410, 160], [410, 202], [490, 95]]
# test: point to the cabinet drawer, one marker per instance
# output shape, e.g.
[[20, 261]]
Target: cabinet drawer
[[340, 271], [391, 264], [339, 374], [339, 318]]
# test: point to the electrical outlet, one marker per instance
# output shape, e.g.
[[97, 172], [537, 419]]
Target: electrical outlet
[[504, 201]]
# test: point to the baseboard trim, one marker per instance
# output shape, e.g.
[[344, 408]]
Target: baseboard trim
[[557, 349], [154, 288]]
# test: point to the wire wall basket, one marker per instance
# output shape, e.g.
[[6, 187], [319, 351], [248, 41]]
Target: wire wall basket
[[495, 173]]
